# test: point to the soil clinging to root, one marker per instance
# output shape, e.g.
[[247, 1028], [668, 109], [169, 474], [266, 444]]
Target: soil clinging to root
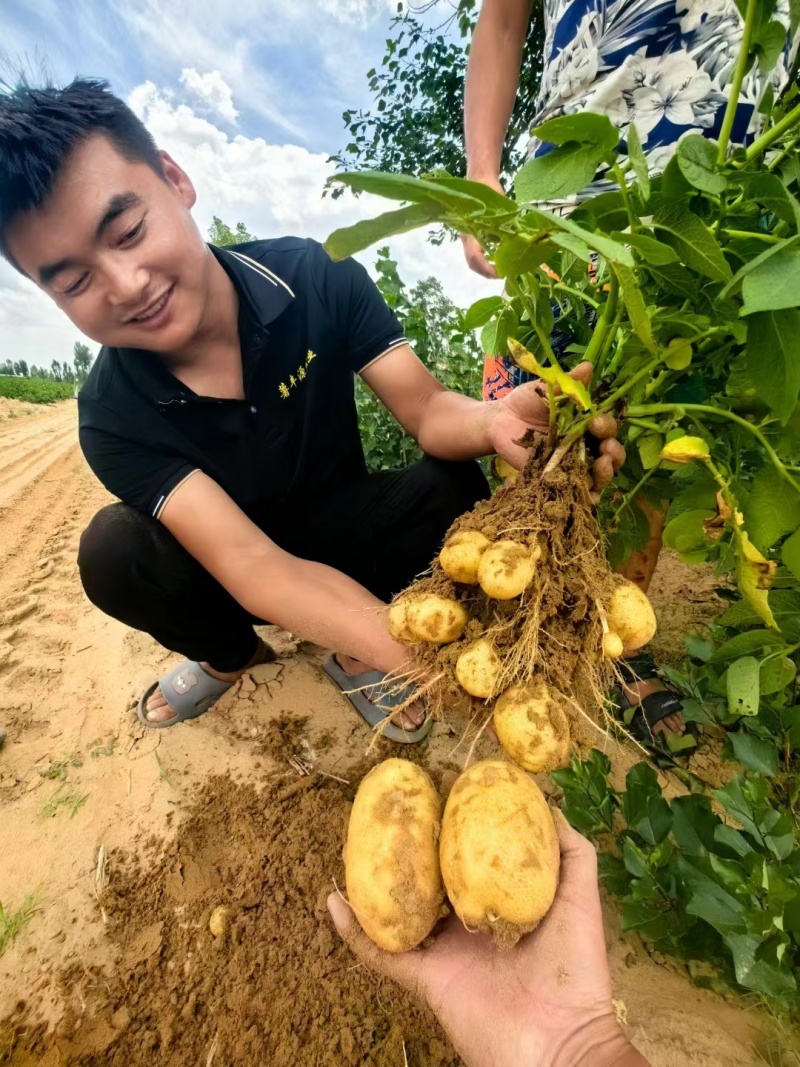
[[278, 987], [554, 630]]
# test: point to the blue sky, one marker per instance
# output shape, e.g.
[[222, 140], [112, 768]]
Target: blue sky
[[246, 95]]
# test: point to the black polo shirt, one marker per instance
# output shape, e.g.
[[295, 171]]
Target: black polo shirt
[[306, 326]]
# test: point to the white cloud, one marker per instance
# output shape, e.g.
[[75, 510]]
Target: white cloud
[[275, 190], [212, 90], [357, 12]]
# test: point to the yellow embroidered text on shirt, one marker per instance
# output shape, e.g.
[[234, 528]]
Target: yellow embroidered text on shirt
[[300, 373]]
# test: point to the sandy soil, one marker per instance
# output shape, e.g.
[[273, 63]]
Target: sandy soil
[[129, 837]]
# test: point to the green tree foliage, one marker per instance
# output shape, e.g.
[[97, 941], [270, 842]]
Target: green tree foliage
[[415, 124], [221, 234], [82, 361], [435, 329]]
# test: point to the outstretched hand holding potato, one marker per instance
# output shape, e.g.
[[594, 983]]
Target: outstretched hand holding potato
[[546, 1002]]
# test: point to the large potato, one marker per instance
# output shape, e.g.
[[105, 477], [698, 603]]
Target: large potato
[[391, 856], [435, 618], [478, 668], [461, 556], [532, 727], [631, 616], [499, 850], [506, 569]]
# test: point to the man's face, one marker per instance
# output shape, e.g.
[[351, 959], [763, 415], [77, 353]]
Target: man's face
[[110, 242]]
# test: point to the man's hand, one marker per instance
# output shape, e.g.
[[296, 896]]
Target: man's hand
[[546, 1002], [525, 408]]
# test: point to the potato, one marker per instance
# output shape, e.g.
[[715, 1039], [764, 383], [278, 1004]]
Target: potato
[[506, 569], [532, 727], [612, 645], [478, 668], [391, 857], [219, 920], [631, 616], [603, 427], [461, 555], [435, 618], [503, 469], [398, 623], [499, 850]]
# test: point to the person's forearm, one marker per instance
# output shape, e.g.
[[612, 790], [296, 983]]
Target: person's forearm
[[491, 83], [454, 427], [322, 605]]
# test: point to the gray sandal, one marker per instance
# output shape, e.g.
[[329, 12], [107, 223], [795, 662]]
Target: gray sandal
[[190, 692], [375, 699]]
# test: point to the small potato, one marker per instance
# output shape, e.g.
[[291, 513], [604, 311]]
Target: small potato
[[391, 857], [398, 623], [435, 618], [506, 569], [461, 555], [503, 469], [219, 920], [603, 427], [499, 850], [602, 472], [532, 727], [478, 668], [612, 645], [631, 616]]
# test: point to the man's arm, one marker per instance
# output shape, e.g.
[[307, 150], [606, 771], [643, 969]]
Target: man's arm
[[315, 602], [491, 87], [451, 426]]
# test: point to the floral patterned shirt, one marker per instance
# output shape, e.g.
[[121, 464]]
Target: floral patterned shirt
[[664, 65]]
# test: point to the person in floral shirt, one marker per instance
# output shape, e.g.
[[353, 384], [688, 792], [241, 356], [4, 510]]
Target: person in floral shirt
[[663, 66]]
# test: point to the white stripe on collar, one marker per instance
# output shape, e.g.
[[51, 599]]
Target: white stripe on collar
[[264, 271]]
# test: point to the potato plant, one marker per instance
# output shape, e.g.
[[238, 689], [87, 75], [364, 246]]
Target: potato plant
[[718, 886], [689, 318]]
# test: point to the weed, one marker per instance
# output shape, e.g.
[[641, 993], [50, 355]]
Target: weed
[[12, 922]]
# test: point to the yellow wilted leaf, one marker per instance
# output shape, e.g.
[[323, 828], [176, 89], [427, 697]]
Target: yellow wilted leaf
[[552, 375], [685, 450], [754, 574]]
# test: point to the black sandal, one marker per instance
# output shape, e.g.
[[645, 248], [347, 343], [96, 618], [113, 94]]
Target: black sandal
[[654, 707]]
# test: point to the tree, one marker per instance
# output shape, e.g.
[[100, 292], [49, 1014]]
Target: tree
[[7, 367], [82, 361], [415, 124], [221, 234], [55, 370], [21, 367], [435, 328]]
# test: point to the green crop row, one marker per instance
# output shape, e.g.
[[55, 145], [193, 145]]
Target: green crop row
[[35, 390]]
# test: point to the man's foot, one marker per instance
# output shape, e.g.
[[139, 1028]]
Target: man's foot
[[409, 719], [157, 708], [635, 692]]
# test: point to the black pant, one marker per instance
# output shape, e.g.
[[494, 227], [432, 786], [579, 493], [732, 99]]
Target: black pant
[[382, 531]]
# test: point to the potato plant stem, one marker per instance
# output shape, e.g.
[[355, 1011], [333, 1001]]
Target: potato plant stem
[[626, 198], [736, 84], [637, 410], [762, 143], [626, 386], [604, 323]]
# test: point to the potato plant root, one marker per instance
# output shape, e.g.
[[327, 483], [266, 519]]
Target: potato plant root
[[553, 630]]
